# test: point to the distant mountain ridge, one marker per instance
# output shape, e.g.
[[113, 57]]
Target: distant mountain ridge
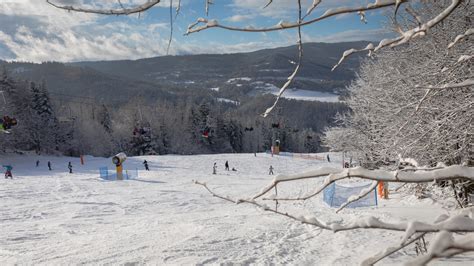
[[161, 76]]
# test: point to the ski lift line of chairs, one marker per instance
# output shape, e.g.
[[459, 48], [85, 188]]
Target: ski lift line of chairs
[[205, 132], [138, 131]]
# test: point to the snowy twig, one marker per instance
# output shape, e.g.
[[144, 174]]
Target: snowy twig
[[312, 7], [461, 36], [171, 27], [445, 246], [122, 11], [390, 250], [362, 194], [208, 3], [292, 76], [464, 84]]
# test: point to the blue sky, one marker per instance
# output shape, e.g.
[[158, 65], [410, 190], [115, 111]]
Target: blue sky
[[32, 30]]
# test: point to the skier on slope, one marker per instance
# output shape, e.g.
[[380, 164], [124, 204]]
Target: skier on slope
[[270, 172], [227, 165], [49, 166], [145, 163], [8, 171], [69, 166], [214, 168]]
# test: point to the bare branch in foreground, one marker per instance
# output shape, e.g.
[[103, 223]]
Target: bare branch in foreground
[[461, 36], [121, 11], [355, 198], [419, 175], [329, 13], [463, 84], [390, 250], [293, 75], [461, 222], [445, 246]]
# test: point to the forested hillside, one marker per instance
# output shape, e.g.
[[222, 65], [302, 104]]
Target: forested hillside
[[189, 124], [174, 104]]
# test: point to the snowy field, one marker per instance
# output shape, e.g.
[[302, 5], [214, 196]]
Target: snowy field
[[297, 94], [53, 217]]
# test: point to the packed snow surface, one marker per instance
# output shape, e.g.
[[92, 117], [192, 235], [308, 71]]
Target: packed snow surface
[[238, 79], [57, 218], [297, 94], [228, 101]]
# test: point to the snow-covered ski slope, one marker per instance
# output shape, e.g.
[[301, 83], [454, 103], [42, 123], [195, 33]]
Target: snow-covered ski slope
[[57, 218]]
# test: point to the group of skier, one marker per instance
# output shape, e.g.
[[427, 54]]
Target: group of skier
[[227, 168], [9, 168]]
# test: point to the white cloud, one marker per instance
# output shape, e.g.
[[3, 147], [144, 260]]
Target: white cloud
[[239, 18], [33, 30]]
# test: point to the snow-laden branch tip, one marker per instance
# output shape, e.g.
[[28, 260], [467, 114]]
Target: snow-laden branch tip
[[460, 37], [311, 8], [390, 250], [406, 36], [347, 53], [362, 16], [468, 83], [445, 245], [464, 58], [120, 11], [355, 198], [293, 75], [410, 237], [208, 3], [178, 8], [268, 3]]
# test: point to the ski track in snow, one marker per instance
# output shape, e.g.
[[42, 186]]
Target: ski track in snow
[[53, 217]]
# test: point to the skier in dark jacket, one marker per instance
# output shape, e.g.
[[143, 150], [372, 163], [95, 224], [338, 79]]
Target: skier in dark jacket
[[8, 171], [37, 163], [270, 172], [146, 165], [227, 165], [49, 166], [69, 165]]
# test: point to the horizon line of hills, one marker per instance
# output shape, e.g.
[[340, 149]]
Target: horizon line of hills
[[164, 76]]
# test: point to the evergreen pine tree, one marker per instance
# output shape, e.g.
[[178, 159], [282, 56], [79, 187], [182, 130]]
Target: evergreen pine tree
[[46, 135], [104, 118]]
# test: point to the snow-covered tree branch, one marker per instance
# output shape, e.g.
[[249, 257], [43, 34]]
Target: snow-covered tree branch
[[121, 10]]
